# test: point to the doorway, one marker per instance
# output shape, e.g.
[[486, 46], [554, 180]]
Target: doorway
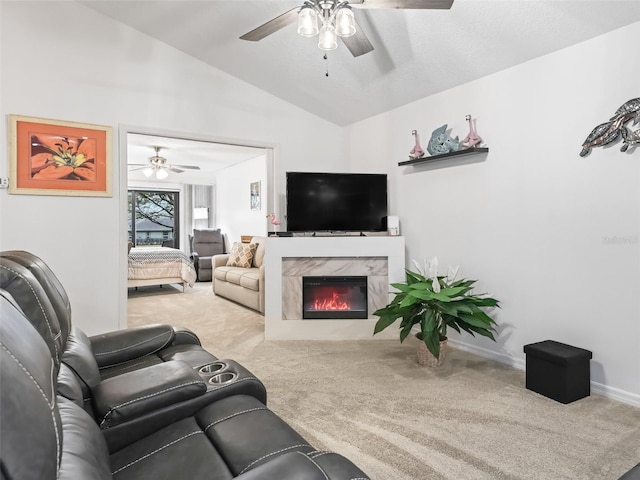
[[214, 157]]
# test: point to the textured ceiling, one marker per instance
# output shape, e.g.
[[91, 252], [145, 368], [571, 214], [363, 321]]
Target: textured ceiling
[[417, 52]]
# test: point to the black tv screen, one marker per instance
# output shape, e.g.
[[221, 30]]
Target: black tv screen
[[350, 202]]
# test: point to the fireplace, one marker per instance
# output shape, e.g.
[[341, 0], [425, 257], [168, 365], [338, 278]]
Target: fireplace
[[334, 297]]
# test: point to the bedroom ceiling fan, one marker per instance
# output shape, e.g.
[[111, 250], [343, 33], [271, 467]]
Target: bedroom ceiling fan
[[333, 19], [160, 166]]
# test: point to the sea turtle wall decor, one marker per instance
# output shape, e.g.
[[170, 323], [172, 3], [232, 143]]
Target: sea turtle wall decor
[[608, 132], [441, 142]]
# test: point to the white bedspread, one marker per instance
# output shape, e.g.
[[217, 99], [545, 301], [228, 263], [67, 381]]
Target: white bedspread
[[160, 262]]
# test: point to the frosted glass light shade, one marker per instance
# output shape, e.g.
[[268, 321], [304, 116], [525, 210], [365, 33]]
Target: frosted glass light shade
[[147, 172], [345, 22], [307, 22], [328, 40], [161, 173]]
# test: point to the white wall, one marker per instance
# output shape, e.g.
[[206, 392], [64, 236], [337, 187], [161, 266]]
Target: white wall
[[233, 212], [533, 221], [99, 71]]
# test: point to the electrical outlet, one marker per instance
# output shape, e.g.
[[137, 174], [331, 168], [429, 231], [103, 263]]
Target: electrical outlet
[[4, 183]]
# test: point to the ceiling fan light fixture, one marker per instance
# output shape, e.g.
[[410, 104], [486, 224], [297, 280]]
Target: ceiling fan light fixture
[[345, 22], [147, 172], [161, 174], [307, 22], [327, 40]]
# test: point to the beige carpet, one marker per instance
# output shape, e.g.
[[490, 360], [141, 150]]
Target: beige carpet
[[369, 400]]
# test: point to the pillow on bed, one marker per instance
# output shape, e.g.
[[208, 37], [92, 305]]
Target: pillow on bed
[[242, 255]]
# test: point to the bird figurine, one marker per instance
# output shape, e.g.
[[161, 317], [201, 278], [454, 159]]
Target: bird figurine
[[472, 139], [273, 219], [416, 151]]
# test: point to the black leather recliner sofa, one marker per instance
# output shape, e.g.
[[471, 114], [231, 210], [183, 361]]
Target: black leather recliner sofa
[[135, 404]]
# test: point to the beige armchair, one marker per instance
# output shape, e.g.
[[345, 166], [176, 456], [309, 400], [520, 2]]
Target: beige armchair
[[242, 285]]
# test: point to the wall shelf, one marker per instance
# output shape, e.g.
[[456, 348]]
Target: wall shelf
[[458, 153]]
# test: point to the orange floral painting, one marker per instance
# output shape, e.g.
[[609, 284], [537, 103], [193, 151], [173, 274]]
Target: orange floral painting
[[51, 157]]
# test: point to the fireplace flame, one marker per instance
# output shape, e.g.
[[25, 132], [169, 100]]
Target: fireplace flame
[[333, 303]]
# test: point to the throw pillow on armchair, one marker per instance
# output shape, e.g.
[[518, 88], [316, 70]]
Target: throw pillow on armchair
[[242, 255]]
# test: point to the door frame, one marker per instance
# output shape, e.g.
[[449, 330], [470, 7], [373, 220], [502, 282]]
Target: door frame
[[272, 155]]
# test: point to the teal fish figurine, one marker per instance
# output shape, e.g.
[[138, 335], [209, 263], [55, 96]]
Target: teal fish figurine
[[440, 142]]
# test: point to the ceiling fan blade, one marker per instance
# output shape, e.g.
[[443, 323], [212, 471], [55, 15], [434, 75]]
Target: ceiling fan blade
[[138, 167], [190, 167], [404, 4], [272, 26], [357, 44], [175, 170]]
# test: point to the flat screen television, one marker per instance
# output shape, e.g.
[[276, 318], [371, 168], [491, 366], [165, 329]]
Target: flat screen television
[[336, 202]]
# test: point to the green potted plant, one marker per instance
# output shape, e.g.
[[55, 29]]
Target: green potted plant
[[435, 303]]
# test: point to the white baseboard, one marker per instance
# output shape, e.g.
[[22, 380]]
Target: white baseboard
[[616, 394], [519, 363], [490, 354]]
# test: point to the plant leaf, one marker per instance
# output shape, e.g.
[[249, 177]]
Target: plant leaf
[[483, 331], [441, 297], [410, 318], [405, 331], [486, 302], [384, 322], [403, 287], [422, 294], [389, 309], [429, 323], [432, 341], [480, 315], [454, 291], [408, 300], [453, 325], [473, 320], [413, 277]]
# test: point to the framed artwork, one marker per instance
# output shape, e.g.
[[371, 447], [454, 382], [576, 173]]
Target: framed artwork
[[52, 157], [254, 188]]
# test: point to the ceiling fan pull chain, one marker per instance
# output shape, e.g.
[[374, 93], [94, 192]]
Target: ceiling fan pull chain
[[326, 60]]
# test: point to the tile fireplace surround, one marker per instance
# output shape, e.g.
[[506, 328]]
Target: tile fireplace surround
[[288, 259]]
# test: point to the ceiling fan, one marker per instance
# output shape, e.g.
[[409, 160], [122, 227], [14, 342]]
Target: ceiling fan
[[337, 21], [160, 166]]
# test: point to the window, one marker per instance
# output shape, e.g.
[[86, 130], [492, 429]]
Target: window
[[153, 217]]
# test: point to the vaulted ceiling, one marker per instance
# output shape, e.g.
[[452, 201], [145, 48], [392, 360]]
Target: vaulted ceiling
[[416, 52]]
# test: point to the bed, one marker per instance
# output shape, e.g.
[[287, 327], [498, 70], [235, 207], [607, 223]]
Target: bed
[[159, 266]]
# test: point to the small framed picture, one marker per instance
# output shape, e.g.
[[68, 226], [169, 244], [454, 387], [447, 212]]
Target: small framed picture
[[254, 188], [53, 157]]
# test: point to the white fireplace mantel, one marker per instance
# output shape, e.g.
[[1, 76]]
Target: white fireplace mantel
[[279, 248]]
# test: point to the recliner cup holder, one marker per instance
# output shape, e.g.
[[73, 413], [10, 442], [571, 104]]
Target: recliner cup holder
[[223, 378], [212, 368]]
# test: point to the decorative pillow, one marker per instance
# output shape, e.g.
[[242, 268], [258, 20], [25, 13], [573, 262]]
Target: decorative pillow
[[242, 255]]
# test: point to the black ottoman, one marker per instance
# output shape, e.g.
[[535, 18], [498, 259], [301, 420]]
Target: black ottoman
[[558, 371]]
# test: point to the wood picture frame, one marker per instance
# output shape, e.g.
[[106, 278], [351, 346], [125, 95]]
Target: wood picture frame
[[55, 157], [255, 201]]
